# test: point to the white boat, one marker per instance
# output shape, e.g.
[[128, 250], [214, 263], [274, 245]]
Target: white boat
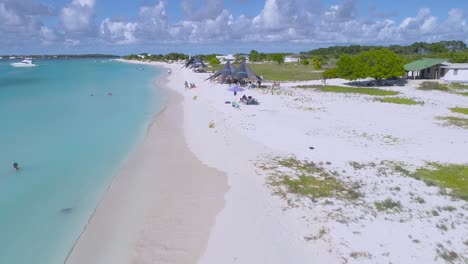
[[23, 63]]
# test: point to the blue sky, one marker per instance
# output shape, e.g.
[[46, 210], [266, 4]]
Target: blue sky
[[207, 26]]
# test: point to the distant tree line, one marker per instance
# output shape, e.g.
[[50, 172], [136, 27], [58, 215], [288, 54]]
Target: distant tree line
[[256, 56], [453, 50], [157, 57]]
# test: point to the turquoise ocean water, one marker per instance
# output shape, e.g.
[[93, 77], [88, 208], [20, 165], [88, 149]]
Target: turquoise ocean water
[[69, 145]]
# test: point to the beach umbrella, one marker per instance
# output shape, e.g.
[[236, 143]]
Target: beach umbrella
[[223, 74], [236, 89]]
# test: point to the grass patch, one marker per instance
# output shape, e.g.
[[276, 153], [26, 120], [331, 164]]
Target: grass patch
[[458, 86], [465, 94], [460, 110], [306, 179], [282, 72], [396, 100], [433, 86], [399, 100], [454, 121], [352, 90], [388, 205], [452, 176]]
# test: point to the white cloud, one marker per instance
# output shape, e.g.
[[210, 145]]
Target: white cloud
[[118, 32], [206, 21], [201, 9], [78, 17]]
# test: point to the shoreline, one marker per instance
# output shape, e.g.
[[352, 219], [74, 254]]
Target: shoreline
[[258, 226], [151, 198]]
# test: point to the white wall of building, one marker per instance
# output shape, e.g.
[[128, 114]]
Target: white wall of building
[[456, 73], [291, 59]]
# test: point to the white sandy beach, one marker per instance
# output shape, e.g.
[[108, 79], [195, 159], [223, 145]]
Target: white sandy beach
[[192, 193]]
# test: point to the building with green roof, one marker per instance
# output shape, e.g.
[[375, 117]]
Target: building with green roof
[[426, 68]]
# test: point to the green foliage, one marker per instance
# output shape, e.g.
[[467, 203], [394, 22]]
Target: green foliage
[[330, 74], [277, 57], [304, 61], [214, 61], [158, 57], [420, 48], [399, 100], [453, 176], [318, 62], [428, 86], [255, 56], [460, 110], [378, 64]]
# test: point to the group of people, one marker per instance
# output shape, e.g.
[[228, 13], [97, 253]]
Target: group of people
[[248, 100], [189, 86]]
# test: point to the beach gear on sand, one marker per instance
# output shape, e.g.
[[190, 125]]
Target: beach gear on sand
[[236, 89]]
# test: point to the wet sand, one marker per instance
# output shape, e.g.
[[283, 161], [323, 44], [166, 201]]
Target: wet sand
[[162, 204]]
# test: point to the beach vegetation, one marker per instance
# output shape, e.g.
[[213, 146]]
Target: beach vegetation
[[464, 93], [452, 176], [448, 256], [378, 64], [350, 90], [282, 72], [305, 61], [459, 86], [442, 227], [317, 61], [307, 179], [360, 254], [277, 57], [448, 208], [419, 199], [399, 100], [460, 110], [454, 121], [330, 73], [214, 61], [322, 232], [388, 205], [433, 86]]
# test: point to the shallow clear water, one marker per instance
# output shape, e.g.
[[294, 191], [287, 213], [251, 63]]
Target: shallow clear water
[[69, 145]]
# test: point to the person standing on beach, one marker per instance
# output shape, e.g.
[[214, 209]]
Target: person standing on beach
[[186, 85]]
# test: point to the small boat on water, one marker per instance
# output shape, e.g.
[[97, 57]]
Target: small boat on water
[[24, 63]]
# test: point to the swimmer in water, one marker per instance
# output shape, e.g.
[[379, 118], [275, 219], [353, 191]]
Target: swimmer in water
[[16, 166]]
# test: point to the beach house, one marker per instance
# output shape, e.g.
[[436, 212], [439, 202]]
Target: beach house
[[437, 69], [425, 69]]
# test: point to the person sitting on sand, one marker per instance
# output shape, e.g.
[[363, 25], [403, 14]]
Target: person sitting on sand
[[16, 166]]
